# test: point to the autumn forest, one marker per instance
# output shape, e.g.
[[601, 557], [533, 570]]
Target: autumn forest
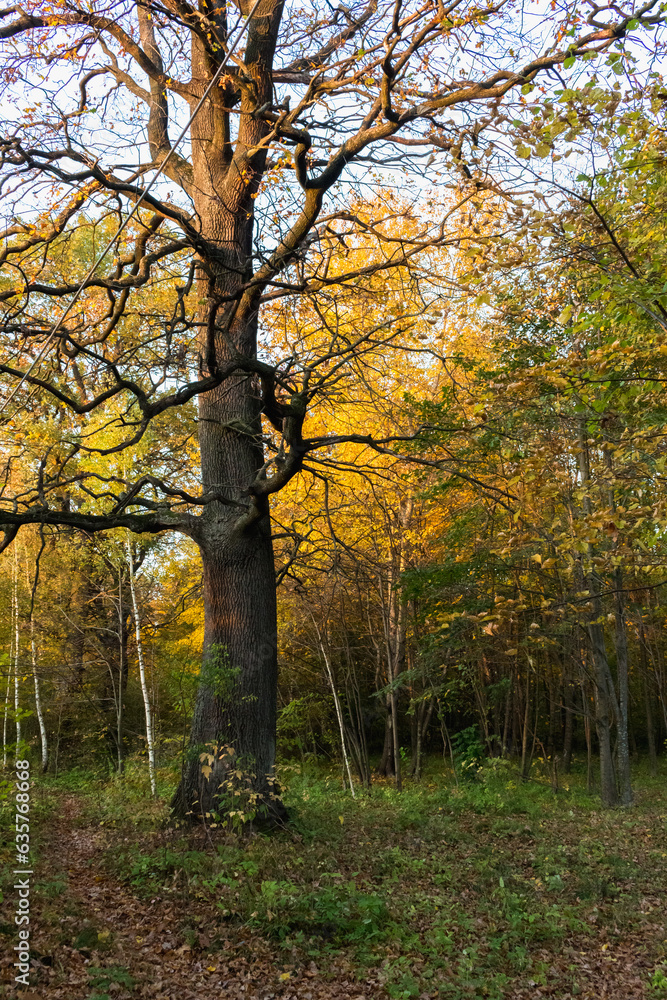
[[333, 350]]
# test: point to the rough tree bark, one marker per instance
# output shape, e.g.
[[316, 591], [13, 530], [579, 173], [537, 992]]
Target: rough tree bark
[[237, 554]]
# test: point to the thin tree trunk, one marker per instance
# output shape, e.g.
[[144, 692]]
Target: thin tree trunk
[[391, 758], [417, 768], [482, 705], [10, 670], [634, 749], [650, 731], [603, 709], [517, 718], [587, 733], [386, 766], [150, 741], [38, 701], [623, 749], [423, 716], [395, 646], [658, 681], [569, 726], [553, 693], [415, 742], [508, 716], [339, 712], [120, 763], [447, 743], [395, 629], [33, 654], [535, 721], [6, 712], [657, 673], [397, 749], [57, 751], [525, 766], [354, 699], [604, 695]]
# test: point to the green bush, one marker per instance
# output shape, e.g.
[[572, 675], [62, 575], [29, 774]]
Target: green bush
[[469, 752], [339, 913]]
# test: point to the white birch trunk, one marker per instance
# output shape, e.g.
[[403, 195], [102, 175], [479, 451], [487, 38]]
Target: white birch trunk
[[38, 700], [9, 681], [339, 712], [33, 653], [150, 741]]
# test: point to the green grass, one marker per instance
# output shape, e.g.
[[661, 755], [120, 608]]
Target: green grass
[[115, 800], [475, 890], [104, 980]]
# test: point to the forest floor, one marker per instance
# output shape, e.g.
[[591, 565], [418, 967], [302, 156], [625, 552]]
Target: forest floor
[[493, 889]]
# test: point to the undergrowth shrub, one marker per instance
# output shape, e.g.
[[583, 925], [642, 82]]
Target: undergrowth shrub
[[469, 752], [339, 913]]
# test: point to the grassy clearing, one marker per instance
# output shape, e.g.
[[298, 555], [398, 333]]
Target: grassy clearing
[[483, 890]]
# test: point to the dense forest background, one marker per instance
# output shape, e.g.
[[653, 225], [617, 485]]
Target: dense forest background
[[488, 583]]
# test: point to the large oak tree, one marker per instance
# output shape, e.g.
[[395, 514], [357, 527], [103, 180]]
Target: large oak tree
[[251, 209]]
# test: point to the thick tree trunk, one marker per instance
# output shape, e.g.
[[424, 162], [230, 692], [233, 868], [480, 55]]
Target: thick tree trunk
[[235, 715], [234, 722]]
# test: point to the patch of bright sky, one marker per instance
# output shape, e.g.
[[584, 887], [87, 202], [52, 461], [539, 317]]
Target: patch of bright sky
[[112, 127]]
